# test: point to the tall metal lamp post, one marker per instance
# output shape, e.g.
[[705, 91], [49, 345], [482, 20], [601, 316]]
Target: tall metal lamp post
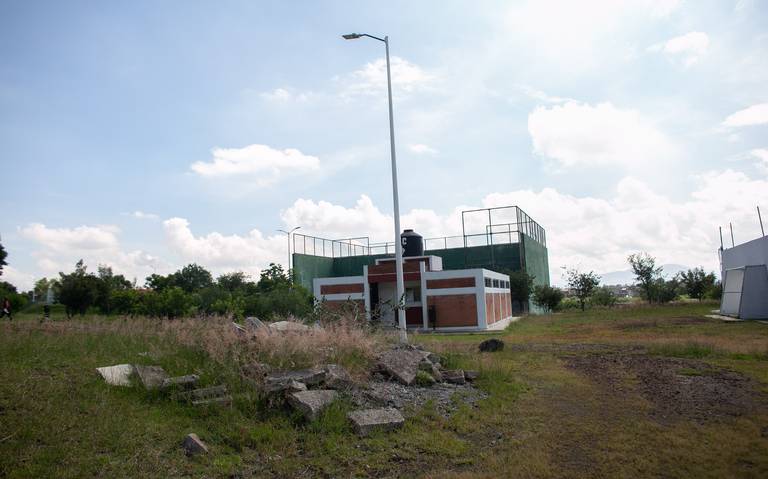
[[290, 276], [398, 243]]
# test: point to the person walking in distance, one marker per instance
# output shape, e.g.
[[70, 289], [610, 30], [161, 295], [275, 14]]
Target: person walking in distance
[[6, 309]]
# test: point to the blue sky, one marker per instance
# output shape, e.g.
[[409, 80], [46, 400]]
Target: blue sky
[[147, 135]]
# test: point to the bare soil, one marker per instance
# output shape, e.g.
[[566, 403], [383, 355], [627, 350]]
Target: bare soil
[[677, 389]]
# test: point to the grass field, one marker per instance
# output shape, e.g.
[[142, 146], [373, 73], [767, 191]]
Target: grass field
[[640, 392]]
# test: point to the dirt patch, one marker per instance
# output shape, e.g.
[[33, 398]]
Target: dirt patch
[[635, 324], [571, 348], [676, 389]]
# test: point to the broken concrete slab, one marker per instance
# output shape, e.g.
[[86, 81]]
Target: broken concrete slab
[[193, 445], [286, 387], [336, 377], [180, 382], [366, 421], [203, 393], [288, 326], [310, 377], [402, 363], [454, 376], [253, 323], [239, 330], [471, 375], [217, 401], [118, 375], [491, 345], [312, 403], [151, 377]]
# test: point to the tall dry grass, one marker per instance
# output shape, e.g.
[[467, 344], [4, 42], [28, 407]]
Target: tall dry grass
[[345, 341]]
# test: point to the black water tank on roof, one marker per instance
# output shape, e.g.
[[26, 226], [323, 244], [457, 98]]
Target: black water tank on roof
[[412, 242]]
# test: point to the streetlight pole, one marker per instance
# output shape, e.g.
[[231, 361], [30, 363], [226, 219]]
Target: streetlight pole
[[288, 233], [398, 244]]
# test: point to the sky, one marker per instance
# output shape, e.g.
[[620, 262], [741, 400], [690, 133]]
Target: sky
[[149, 135]]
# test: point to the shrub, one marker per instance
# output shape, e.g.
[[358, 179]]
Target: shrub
[[603, 297], [548, 297]]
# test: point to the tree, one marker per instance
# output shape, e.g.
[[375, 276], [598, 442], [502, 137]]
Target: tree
[[646, 272], [3, 255], [157, 282], [603, 297], [582, 284], [663, 291], [77, 290], [106, 283], [696, 282], [520, 287], [273, 278], [192, 277], [232, 281], [547, 297]]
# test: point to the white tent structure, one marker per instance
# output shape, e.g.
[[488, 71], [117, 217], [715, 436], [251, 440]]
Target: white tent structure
[[745, 280]]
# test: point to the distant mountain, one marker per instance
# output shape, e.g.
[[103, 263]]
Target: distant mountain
[[627, 277]]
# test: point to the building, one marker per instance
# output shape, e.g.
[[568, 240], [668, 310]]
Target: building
[[744, 269], [453, 300], [494, 242]]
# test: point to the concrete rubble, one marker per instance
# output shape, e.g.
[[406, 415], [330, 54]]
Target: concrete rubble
[[402, 363], [193, 445], [288, 326], [336, 377], [312, 403], [188, 381], [366, 421], [151, 377], [310, 377], [253, 323], [455, 376], [118, 375]]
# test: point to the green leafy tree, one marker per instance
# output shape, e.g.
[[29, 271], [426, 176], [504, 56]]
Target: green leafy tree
[[273, 278], [175, 302], [696, 282], [603, 297], [192, 277], [646, 273], [157, 282], [520, 287], [7, 290], [77, 290], [548, 297], [232, 281], [3, 255], [664, 291], [582, 285], [106, 284]]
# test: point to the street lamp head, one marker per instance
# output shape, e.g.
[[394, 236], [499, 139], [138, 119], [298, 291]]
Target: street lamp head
[[351, 36]]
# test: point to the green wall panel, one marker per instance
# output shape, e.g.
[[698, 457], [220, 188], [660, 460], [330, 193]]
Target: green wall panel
[[307, 267]]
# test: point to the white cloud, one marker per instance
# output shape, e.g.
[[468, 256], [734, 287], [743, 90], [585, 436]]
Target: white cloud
[[753, 115], [578, 36], [762, 155], [542, 96], [261, 162], [221, 253], [595, 233], [578, 134], [79, 239], [282, 95], [23, 281], [422, 149], [141, 215], [61, 248], [689, 48], [371, 80]]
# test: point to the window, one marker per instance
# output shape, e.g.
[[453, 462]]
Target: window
[[495, 283], [487, 282]]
